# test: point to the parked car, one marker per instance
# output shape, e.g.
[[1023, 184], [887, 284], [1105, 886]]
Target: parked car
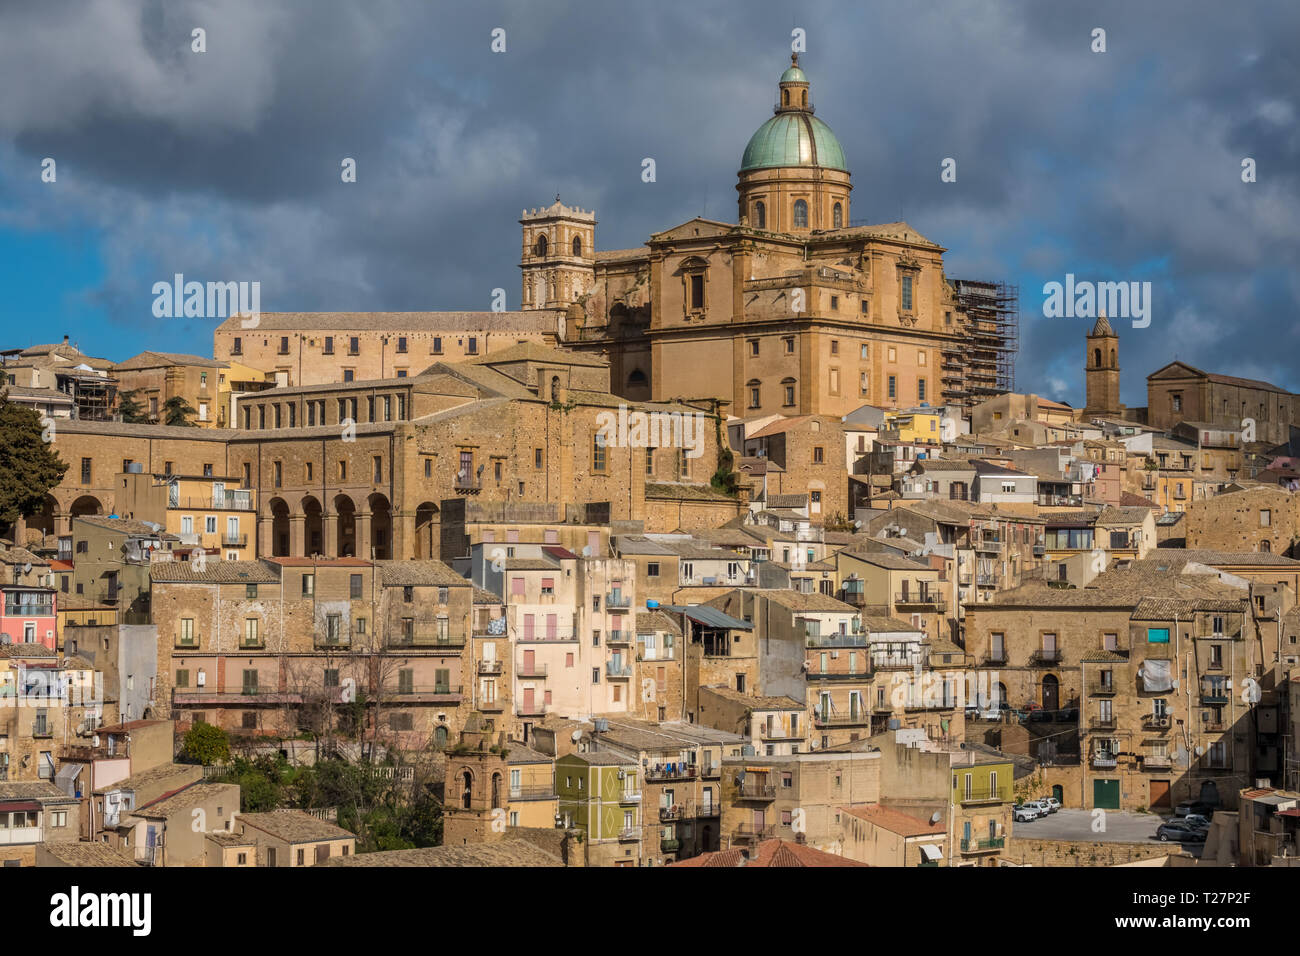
[[1042, 806], [1052, 803], [1181, 832], [1196, 820], [1067, 714], [1040, 714], [1194, 806], [1025, 813]]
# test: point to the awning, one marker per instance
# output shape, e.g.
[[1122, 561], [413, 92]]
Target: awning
[[66, 778], [14, 806], [931, 851], [709, 616], [1157, 675]]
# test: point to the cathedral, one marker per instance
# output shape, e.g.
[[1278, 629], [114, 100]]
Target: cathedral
[[792, 309]]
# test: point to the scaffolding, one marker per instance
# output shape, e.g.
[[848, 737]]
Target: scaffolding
[[983, 363]]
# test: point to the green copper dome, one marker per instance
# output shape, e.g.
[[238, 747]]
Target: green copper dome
[[793, 138], [793, 75]]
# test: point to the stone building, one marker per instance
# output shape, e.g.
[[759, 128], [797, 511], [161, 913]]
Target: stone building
[[1180, 392], [1262, 518]]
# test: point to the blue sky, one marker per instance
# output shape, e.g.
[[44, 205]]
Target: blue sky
[[1115, 166]]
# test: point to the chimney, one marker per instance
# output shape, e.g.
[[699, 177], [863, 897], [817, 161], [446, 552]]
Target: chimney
[[65, 340]]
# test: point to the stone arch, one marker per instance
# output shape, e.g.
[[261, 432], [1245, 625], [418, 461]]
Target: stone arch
[[345, 530], [760, 214], [313, 539], [86, 505], [637, 379], [426, 521], [539, 247], [1096, 358], [45, 519], [496, 790], [577, 245], [381, 528], [800, 216], [1051, 692], [837, 216], [466, 778], [280, 543]]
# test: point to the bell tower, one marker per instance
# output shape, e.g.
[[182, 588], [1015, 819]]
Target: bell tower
[[559, 255], [1101, 372]]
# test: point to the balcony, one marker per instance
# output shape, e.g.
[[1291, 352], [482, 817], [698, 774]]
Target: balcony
[[629, 835], [1104, 761], [756, 791], [1159, 763], [29, 610], [536, 709], [531, 671], [489, 668], [842, 675], [617, 671], [190, 643], [986, 795], [619, 638], [835, 639], [1101, 724], [988, 543], [860, 719], [1045, 658], [541, 791], [708, 810], [492, 706], [252, 643], [630, 796], [337, 642], [1214, 695], [668, 773], [711, 771], [1156, 721], [1101, 689], [986, 845], [668, 845], [469, 485], [921, 599], [424, 693], [234, 540], [617, 601], [428, 641], [995, 658], [986, 580], [560, 635], [670, 814], [749, 833]]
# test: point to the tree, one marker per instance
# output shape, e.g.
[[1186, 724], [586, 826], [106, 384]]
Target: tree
[[129, 407], [177, 411], [29, 465], [206, 744]]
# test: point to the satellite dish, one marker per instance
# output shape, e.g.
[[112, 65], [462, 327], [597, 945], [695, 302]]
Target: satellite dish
[[576, 736], [934, 817], [27, 568]]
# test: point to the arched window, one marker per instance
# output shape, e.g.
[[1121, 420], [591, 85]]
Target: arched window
[[440, 738], [1096, 358], [800, 214], [760, 215], [467, 787], [555, 388], [496, 791], [539, 247], [637, 379], [1112, 358], [785, 97], [837, 216], [803, 98], [1265, 547], [577, 245]]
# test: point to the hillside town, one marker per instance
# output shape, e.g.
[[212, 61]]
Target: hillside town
[[738, 548]]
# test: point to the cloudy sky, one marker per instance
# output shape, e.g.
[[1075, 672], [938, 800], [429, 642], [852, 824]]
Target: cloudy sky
[[225, 165]]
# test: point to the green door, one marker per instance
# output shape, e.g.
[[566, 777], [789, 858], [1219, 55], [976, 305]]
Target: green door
[[1105, 794]]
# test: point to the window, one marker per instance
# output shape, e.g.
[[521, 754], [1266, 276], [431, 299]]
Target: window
[[800, 214], [237, 348], [837, 216], [354, 345], [437, 345], [652, 569], [755, 396], [379, 469], [697, 292], [472, 349], [649, 462], [789, 345], [308, 585], [753, 347], [537, 458], [760, 215], [277, 472], [906, 298], [920, 390], [789, 395], [284, 345], [85, 471], [893, 386], [819, 455], [329, 345], [1265, 518], [401, 343], [598, 452]]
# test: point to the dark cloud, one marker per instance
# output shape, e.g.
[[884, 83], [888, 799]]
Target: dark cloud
[[1116, 166]]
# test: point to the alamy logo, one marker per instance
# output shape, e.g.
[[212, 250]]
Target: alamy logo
[[1088, 300], [75, 909], [215, 300], [653, 430]]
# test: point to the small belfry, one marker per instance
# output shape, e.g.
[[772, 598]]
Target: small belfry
[[558, 257], [793, 176], [1101, 372]]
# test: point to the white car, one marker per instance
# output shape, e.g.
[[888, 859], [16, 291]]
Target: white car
[[1042, 806], [1025, 813], [1052, 804]]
